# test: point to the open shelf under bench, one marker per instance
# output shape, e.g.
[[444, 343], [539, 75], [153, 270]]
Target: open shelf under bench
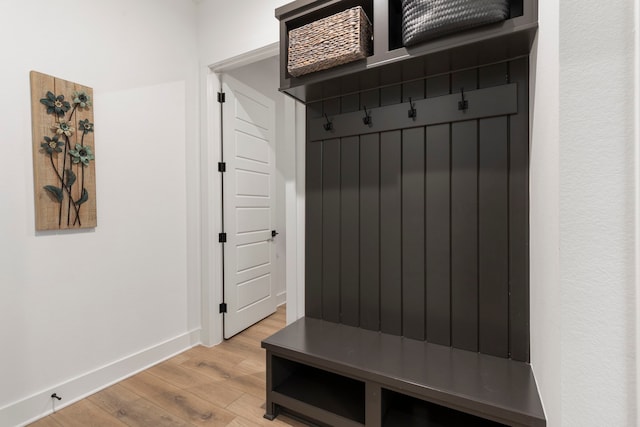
[[340, 375]]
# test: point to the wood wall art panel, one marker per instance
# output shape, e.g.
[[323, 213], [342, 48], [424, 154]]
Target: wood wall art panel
[[63, 154]]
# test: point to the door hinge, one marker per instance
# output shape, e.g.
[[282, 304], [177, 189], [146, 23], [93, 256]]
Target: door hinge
[[221, 97], [222, 237], [223, 307], [222, 167]]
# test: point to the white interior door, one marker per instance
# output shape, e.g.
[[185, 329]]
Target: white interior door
[[248, 138]]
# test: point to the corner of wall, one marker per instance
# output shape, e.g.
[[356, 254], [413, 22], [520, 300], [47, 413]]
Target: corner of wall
[[545, 322], [637, 202]]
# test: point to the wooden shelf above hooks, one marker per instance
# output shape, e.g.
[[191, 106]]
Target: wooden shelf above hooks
[[391, 63]]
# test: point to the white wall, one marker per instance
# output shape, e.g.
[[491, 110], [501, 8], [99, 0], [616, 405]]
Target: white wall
[[582, 214], [81, 309], [221, 37], [264, 77], [225, 30], [597, 212], [545, 303]]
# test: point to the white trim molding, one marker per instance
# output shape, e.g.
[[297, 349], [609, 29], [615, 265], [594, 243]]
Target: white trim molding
[[636, 125], [247, 58], [212, 287], [212, 213], [39, 405]]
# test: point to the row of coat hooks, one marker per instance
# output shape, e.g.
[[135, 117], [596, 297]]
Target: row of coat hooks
[[463, 105]]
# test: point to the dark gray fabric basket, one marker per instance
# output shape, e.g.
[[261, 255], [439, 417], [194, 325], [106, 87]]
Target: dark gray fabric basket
[[426, 19]]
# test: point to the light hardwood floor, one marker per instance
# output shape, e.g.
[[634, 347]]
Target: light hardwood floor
[[219, 386]]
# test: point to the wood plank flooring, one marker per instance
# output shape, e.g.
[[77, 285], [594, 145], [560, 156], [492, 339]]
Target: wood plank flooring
[[219, 386]]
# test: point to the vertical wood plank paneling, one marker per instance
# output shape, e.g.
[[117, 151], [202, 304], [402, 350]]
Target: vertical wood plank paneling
[[519, 216], [349, 103], [413, 237], [313, 230], [437, 86], [467, 80], [349, 85], [314, 110], [493, 235], [370, 99], [438, 238], [370, 231], [331, 106], [331, 230], [414, 90], [349, 232], [464, 235], [423, 232], [390, 232], [390, 95], [493, 75]]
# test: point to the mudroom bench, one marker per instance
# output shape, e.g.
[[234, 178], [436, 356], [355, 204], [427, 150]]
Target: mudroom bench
[[339, 375]]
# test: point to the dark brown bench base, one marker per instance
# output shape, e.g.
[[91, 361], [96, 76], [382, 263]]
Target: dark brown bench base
[[338, 375]]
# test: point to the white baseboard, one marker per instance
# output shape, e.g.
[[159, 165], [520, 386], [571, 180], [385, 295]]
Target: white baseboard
[[39, 405]]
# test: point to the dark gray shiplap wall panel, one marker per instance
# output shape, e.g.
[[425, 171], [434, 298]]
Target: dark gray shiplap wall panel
[[438, 246], [474, 291], [349, 232], [314, 110], [493, 75], [391, 232], [370, 231], [464, 235], [413, 73], [437, 86], [413, 238], [390, 95], [519, 216], [370, 99], [349, 103], [467, 80], [348, 84], [313, 230], [392, 74], [413, 90], [493, 236], [331, 230], [331, 106]]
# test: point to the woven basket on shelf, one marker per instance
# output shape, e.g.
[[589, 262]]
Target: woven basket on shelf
[[426, 19], [328, 42]]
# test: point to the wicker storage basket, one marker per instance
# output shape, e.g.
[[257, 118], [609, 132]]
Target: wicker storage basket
[[427, 19], [325, 43]]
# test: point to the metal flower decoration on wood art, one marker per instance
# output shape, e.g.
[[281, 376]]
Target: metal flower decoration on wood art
[[62, 128], [56, 104], [81, 99]]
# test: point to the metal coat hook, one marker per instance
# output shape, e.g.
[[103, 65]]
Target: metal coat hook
[[367, 118], [463, 104], [327, 126], [413, 113]]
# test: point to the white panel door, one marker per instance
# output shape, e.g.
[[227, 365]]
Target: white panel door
[[248, 137]]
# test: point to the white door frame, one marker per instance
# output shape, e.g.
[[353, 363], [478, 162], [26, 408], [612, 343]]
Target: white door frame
[[211, 208]]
